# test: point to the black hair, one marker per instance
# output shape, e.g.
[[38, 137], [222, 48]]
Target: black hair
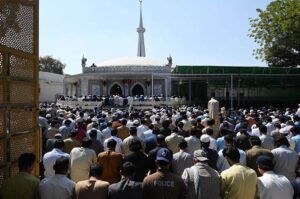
[[93, 133], [155, 131], [263, 129], [128, 169], [111, 144], [73, 133], [67, 122], [277, 125], [61, 165], [160, 138], [229, 139], [96, 170], [182, 144], [165, 123], [124, 122], [254, 140], [266, 167], [205, 144], [95, 125], [281, 140], [59, 144], [210, 122], [180, 124], [162, 163], [151, 126], [232, 153], [193, 131], [269, 119], [223, 131], [86, 142], [25, 161], [132, 130], [295, 130], [135, 145], [209, 131], [114, 132]]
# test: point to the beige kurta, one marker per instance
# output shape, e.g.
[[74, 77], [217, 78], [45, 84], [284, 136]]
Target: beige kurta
[[213, 108]]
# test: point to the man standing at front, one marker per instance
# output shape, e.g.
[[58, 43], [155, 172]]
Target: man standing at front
[[238, 181], [163, 184]]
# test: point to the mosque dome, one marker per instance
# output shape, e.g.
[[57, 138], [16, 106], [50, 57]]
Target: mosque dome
[[132, 61]]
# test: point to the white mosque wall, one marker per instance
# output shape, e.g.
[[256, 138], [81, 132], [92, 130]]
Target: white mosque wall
[[50, 86]]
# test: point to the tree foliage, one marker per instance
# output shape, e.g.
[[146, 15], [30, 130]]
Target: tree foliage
[[49, 64], [277, 31]]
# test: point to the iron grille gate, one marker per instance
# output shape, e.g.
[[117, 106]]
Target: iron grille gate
[[19, 131]]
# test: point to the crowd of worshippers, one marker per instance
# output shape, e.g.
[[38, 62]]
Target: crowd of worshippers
[[116, 100], [163, 153]]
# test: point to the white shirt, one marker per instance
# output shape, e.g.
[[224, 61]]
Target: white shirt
[[193, 144], [256, 132], [152, 117], [274, 186], [148, 134], [140, 131], [223, 164], [285, 162], [129, 124], [58, 187], [81, 160], [298, 112], [49, 160], [270, 126], [118, 146], [212, 143], [106, 133]]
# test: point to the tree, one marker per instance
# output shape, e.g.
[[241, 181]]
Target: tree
[[277, 31], [49, 64]]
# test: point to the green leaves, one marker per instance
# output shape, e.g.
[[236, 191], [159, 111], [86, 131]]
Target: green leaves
[[277, 31], [49, 64]]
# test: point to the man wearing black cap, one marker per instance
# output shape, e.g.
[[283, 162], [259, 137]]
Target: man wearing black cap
[[271, 185], [163, 184]]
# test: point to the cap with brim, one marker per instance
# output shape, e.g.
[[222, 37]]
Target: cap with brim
[[200, 155], [164, 154]]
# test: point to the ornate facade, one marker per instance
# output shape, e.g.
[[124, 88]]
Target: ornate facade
[[123, 76]]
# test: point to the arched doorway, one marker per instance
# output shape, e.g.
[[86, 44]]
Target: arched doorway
[[116, 90], [137, 90]]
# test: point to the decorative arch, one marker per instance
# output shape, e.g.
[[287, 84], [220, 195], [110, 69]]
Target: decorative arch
[[135, 84], [115, 83]]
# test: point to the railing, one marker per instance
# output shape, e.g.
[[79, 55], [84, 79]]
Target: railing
[[77, 104], [133, 105]]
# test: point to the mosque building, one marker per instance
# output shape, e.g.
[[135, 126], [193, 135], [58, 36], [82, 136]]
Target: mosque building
[[141, 75]]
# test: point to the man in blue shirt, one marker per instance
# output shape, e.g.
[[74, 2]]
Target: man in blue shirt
[[296, 132]]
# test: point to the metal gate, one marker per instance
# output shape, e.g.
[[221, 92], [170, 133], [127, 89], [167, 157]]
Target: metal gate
[[19, 131]]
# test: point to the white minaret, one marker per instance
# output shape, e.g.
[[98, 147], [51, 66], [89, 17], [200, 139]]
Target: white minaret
[[141, 45]]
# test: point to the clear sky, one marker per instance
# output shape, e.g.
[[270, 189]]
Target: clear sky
[[194, 32]]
